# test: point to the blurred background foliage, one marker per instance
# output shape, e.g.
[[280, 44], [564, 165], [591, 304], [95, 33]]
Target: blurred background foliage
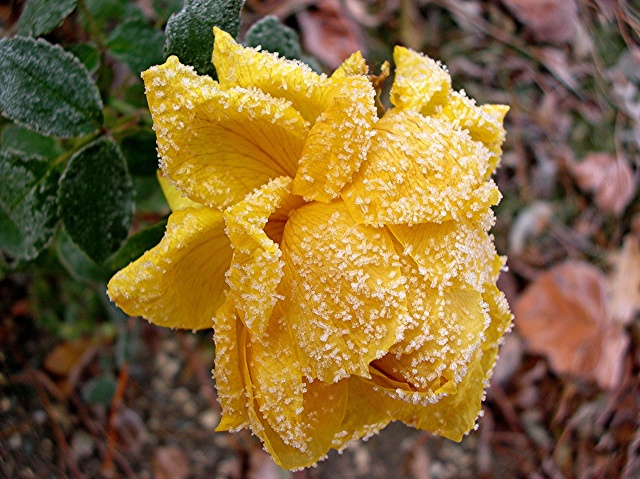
[[89, 392]]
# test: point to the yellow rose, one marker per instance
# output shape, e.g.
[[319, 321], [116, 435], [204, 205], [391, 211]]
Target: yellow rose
[[342, 259]]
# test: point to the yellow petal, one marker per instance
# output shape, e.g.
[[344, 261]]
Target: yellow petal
[[452, 249], [419, 170], [420, 84], [501, 318], [256, 268], [176, 200], [298, 420], [367, 411], [216, 146], [289, 79], [484, 123], [354, 65], [343, 291], [228, 372], [166, 284], [339, 140], [440, 354]]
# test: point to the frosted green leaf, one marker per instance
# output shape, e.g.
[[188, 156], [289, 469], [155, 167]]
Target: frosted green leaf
[[28, 209], [274, 37], [137, 44], [88, 54], [16, 137], [77, 263], [190, 31], [42, 16], [47, 89], [96, 199]]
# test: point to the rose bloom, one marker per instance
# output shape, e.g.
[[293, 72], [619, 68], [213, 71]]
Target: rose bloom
[[342, 259]]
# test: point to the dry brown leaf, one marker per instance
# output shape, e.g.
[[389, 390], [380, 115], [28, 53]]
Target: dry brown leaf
[[624, 282], [562, 316], [65, 355], [328, 33], [170, 462], [611, 180], [550, 20]]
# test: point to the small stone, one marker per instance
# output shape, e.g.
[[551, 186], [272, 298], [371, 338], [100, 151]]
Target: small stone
[[82, 445], [15, 441], [209, 419]]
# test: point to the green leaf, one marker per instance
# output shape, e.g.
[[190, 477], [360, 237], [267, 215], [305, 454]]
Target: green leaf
[[139, 150], [47, 89], [99, 391], [88, 54], [112, 11], [28, 208], [165, 8], [149, 195], [137, 44], [42, 16], [190, 32], [96, 199], [78, 264], [137, 244], [16, 137], [274, 37]]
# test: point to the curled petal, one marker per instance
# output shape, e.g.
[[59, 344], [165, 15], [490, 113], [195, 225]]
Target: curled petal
[[218, 145], [354, 65], [435, 354], [257, 267], [228, 371], [484, 123], [339, 141], [420, 170], [293, 416], [251, 68], [165, 285], [343, 291], [452, 249], [260, 384], [421, 84], [175, 198]]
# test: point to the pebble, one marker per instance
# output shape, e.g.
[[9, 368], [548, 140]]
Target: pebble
[[82, 445], [209, 419]]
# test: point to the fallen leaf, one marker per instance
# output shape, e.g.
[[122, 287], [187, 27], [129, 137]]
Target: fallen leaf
[[562, 316], [610, 179], [170, 462], [328, 34], [65, 355], [624, 282], [549, 20]]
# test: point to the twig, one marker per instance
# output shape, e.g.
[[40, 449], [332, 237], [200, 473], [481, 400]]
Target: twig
[[123, 377], [98, 433], [70, 460]]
